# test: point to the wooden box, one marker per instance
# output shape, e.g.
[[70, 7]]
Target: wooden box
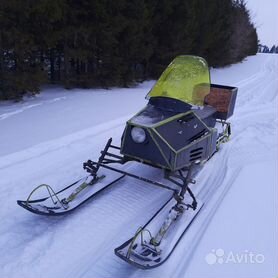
[[223, 99]]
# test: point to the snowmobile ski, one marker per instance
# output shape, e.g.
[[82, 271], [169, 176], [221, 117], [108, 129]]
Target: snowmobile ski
[[69, 198], [153, 244]]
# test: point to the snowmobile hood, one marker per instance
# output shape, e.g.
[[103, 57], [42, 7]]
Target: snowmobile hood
[[187, 78]]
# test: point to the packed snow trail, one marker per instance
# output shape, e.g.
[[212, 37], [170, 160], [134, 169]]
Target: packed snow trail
[[82, 244], [59, 112]]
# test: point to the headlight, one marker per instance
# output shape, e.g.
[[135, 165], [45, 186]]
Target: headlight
[[138, 134]]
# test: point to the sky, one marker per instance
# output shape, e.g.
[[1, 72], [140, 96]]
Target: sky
[[264, 14]]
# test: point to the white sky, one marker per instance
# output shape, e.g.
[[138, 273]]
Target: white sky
[[264, 14]]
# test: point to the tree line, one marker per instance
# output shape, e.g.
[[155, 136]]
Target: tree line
[[103, 43], [266, 49]]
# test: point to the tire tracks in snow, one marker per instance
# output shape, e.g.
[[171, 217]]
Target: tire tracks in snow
[[27, 106]]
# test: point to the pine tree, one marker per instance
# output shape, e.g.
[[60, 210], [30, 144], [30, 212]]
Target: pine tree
[[21, 69], [244, 39], [273, 48]]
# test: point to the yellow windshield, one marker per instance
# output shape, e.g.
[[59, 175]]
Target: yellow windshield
[[186, 78]]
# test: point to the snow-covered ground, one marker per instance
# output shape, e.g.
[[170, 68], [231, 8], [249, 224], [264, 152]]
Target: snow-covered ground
[[45, 139]]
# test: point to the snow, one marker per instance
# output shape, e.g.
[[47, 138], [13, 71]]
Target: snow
[[46, 138], [58, 112]]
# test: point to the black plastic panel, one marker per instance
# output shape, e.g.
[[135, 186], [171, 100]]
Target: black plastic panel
[[182, 131]]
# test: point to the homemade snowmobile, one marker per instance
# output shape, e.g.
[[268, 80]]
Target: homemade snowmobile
[[181, 127]]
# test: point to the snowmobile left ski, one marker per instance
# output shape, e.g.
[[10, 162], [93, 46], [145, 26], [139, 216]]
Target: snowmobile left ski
[[182, 126], [67, 199], [74, 195]]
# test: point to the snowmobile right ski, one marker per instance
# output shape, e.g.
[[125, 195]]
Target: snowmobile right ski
[[153, 244]]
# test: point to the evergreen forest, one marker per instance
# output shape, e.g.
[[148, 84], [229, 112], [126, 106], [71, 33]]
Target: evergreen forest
[[104, 43]]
